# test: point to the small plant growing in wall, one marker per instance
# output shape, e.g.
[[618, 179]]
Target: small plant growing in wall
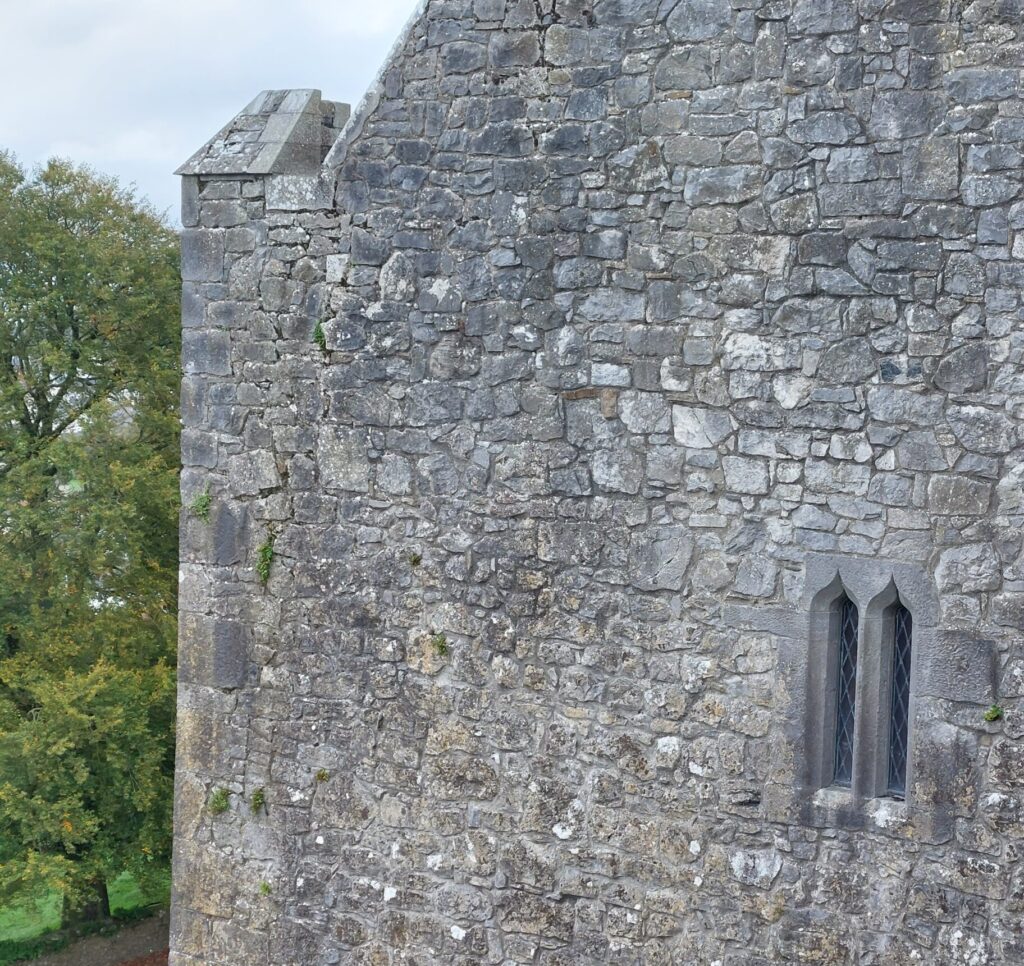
[[219, 802], [323, 775], [259, 801], [200, 506], [264, 558], [320, 337], [265, 889], [440, 644], [415, 559], [995, 713]]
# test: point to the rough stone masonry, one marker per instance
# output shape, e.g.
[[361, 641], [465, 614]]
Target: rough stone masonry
[[545, 404]]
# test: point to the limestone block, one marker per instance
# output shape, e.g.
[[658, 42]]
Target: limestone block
[[298, 193], [202, 255], [746, 476], [726, 184], [957, 495], [696, 20], [252, 473], [968, 568], [700, 428], [341, 459], [963, 370], [957, 666], [206, 352]]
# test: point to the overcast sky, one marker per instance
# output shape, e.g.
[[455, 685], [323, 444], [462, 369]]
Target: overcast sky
[[134, 87]]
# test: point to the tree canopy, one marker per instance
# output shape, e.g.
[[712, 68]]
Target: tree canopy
[[89, 349]]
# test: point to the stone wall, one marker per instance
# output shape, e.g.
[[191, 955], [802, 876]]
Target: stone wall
[[605, 337]]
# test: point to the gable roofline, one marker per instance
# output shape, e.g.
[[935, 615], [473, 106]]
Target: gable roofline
[[294, 131], [368, 104]]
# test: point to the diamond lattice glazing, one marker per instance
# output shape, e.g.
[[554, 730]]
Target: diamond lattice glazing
[[847, 693], [899, 722]]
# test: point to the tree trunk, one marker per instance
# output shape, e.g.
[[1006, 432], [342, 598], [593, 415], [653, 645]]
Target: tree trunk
[[96, 909]]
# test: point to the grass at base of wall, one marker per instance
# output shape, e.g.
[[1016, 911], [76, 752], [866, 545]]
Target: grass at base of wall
[[29, 929]]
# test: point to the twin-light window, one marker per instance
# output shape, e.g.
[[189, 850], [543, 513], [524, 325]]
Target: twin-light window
[[880, 677]]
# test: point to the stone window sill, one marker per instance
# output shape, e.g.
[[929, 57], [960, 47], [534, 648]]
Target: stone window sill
[[836, 807]]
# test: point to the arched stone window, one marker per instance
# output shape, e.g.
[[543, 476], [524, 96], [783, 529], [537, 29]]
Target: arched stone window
[[885, 721], [860, 694], [832, 693], [908, 763]]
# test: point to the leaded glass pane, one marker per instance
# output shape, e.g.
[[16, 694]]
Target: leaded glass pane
[[899, 721], [847, 692]]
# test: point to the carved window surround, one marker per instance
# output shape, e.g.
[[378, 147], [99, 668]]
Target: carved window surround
[[949, 665]]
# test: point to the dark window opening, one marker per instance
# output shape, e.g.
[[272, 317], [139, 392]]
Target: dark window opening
[[846, 692], [899, 714]]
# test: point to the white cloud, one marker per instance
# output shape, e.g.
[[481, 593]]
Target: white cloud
[[133, 87]]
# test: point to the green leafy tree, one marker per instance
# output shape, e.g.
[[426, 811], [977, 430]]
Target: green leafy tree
[[89, 350]]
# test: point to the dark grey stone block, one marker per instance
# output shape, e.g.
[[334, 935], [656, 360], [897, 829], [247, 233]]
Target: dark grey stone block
[[229, 658], [206, 351], [963, 370], [957, 666], [202, 255], [189, 202]]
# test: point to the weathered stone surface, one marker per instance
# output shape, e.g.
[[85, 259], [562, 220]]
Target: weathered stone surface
[[982, 430], [892, 405], [984, 190], [948, 775], [220, 659], [756, 354], [613, 305], [849, 361], [660, 563], [917, 11], [905, 114], [756, 576], [974, 85], [932, 169], [755, 868], [700, 428], [250, 474], [618, 470], [958, 495], [959, 666], [514, 49], [745, 475], [202, 255], [463, 58], [341, 459], [968, 568], [920, 450], [298, 193], [575, 379], [727, 184], [1007, 764], [822, 16], [206, 352], [963, 370], [696, 20], [826, 127], [645, 412], [689, 68]]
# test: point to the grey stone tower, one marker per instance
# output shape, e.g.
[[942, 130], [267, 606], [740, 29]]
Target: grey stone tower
[[613, 436]]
